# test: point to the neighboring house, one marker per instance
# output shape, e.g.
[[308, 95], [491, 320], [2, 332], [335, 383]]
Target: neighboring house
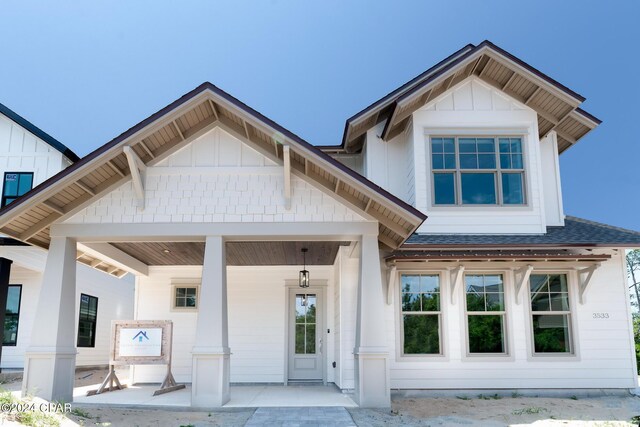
[[209, 203], [28, 157]]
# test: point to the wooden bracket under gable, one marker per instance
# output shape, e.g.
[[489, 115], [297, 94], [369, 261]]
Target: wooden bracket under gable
[[521, 277], [456, 279], [391, 283], [286, 156], [584, 279], [138, 169]]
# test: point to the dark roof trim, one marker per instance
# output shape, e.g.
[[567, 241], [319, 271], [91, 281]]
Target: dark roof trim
[[185, 98], [588, 115], [450, 62], [59, 146], [479, 256], [405, 86]]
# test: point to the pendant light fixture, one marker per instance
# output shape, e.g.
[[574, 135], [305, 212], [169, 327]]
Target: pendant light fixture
[[304, 273]]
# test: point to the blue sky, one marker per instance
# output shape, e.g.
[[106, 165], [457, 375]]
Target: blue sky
[[87, 71]]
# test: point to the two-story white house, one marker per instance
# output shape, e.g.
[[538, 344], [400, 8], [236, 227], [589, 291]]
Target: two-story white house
[[429, 250], [28, 157]]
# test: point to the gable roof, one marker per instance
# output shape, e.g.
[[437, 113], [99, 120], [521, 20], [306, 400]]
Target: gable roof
[[557, 105], [179, 123], [15, 117], [577, 232]]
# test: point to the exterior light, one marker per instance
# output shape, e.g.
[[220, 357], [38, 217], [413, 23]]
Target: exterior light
[[304, 273]]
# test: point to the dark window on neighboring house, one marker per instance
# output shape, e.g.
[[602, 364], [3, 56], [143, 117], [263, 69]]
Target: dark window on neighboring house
[[15, 185], [87, 321], [12, 315]]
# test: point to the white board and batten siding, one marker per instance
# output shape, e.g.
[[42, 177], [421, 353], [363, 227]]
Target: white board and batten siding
[[21, 151], [115, 302], [217, 178], [604, 351], [257, 322], [403, 164]]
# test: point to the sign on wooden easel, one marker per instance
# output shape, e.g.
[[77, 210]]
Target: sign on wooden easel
[[140, 342]]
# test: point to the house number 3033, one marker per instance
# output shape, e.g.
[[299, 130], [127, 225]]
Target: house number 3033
[[600, 315]]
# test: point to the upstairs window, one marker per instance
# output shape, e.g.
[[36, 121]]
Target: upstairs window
[[15, 185], [477, 171]]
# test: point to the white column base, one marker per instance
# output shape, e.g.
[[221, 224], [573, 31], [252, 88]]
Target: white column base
[[210, 378], [49, 373], [372, 378]]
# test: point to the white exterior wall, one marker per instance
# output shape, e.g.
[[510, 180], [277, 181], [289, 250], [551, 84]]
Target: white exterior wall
[[403, 165], [390, 164], [115, 301], [474, 108], [257, 325], [21, 151], [551, 185], [604, 347], [217, 178]]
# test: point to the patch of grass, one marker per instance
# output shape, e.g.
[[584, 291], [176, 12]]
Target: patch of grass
[[529, 411], [187, 425], [493, 396], [463, 397], [635, 419], [37, 419], [574, 397], [81, 413], [515, 395]]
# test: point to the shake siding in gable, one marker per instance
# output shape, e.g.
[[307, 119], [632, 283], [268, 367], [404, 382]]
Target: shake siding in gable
[[216, 179]]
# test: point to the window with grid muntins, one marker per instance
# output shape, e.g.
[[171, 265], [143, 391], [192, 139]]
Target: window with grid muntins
[[485, 313], [186, 297], [421, 315], [550, 313], [478, 171]]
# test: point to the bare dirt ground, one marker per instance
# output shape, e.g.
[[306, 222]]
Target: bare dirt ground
[[464, 410]]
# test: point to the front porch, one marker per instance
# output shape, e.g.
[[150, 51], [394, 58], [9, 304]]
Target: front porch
[[241, 396], [248, 298]]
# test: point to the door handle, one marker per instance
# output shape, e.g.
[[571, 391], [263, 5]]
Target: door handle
[[320, 348]]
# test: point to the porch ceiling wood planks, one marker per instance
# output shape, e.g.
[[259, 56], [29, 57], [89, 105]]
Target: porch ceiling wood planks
[[238, 253], [556, 105], [181, 122]]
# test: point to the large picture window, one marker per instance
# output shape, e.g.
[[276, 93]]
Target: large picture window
[[550, 313], [87, 321], [12, 315], [15, 185], [477, 171], [485, 312], [420, 295]]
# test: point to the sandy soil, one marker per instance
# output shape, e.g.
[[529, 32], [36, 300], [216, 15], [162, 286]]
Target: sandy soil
[[467, 410]]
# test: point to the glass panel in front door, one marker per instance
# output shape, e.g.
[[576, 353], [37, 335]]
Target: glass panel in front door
[[305, 324]]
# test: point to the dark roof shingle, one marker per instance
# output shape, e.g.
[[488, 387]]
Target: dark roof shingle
[[576, 232]]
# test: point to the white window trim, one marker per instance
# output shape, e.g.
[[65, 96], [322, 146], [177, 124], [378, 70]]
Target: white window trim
[[574, 356], [444, 303], [184, 283], [508, 283], [468, 133]]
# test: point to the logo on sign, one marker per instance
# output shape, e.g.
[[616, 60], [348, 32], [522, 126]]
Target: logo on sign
[[140, 336], [11, 177]]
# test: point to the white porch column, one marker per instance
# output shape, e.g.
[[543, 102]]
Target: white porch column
[[371, 352], [210, 375], [50, 360]]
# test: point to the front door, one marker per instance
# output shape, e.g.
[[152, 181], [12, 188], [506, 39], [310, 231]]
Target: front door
[[305, 335]]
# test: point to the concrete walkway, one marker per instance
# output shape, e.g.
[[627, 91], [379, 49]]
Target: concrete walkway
[[307, 417]]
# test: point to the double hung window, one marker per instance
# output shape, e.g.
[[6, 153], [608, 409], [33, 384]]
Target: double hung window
[[421, 315], [485, 313]]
